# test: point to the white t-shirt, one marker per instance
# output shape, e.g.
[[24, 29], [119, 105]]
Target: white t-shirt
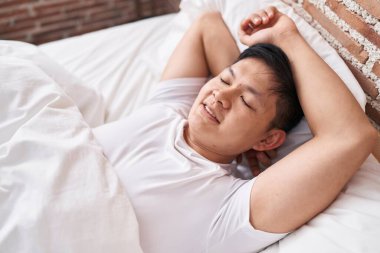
[[183, 202]]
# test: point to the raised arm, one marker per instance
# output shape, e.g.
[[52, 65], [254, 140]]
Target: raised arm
[[206, 48], [304, 183]]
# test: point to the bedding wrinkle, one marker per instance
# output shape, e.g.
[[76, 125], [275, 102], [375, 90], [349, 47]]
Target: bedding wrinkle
[[342, 203], [132, 86], [88, 101], [127, 57], [358, 244], [17, 105], [366, 183], [58, 192]]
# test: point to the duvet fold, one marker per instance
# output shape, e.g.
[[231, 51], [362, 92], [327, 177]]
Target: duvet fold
[[58, 192]]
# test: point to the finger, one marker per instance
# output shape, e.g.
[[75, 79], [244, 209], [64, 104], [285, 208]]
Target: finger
[[251, 153], [239, 158], [264, 159], [264, 16], [256, 19], [270, 11], [255, 171], [252, 161], [254, 166], [245, 26], [271, 153]]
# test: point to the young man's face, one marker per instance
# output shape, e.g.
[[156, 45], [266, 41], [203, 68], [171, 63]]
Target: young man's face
[[233, 111]]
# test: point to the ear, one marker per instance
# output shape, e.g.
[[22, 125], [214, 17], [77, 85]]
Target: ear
[[273, 139]]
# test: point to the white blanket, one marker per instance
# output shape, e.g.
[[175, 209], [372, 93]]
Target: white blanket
[[58, 193]]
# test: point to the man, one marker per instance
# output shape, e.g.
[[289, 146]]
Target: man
[[176, 163]]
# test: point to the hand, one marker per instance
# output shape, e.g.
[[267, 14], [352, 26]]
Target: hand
[[255, 157], [266, 26]]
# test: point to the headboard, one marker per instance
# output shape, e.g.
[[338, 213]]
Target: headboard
[[353, 29]]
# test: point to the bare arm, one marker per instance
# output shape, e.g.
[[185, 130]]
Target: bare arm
[[304, 183], [206, 48]]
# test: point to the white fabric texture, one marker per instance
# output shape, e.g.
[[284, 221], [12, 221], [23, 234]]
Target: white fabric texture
[[88, 101], [183, 202], [58, 193], [119, 63]]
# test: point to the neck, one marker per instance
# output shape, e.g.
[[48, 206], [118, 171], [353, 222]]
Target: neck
[[205, 151]]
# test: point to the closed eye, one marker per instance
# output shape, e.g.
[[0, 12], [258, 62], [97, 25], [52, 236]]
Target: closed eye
[[246, 104], [224, 81]]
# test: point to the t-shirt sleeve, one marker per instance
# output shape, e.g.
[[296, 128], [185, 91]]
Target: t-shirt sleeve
[[231, 230], [180, 90]]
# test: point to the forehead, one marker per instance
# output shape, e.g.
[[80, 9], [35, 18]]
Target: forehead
[[253, 72]]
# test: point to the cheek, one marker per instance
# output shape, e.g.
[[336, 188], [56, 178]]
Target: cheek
[[239, 118], [202, 95], [244, 127]]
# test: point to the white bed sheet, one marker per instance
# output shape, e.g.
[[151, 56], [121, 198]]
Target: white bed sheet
[[120, 63], [123, 63]]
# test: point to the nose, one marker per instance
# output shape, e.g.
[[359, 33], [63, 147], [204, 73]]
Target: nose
[[225, 96]]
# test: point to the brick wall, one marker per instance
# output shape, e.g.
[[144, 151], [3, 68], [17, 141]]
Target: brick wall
[[40, 21], [352, 27]]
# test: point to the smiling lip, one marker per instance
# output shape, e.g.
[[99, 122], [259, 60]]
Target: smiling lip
[[207, 112]]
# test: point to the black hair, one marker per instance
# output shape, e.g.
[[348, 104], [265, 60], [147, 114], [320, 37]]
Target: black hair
[[288, 108]]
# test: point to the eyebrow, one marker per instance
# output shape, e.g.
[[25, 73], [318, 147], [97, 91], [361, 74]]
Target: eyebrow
[[248, 87]]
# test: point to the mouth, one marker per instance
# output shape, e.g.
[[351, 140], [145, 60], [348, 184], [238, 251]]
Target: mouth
[[209, 114]]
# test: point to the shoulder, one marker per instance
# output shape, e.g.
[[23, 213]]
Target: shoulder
[[175, 88], [178, 94], [231, 230]]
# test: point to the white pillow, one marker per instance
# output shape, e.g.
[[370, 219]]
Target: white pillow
[[233, 12]]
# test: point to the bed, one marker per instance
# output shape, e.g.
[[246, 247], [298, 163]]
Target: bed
[[58, 192]]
